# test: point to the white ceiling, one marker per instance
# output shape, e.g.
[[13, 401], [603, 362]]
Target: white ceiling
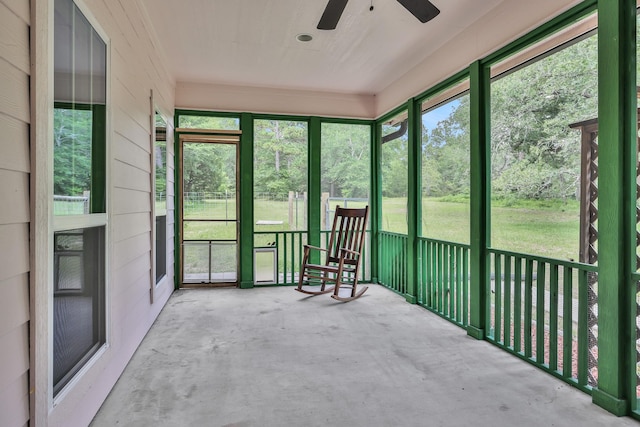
[[253, 42]]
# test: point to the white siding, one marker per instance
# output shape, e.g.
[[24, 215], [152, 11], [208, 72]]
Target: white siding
[[136, 69], [14, 212]]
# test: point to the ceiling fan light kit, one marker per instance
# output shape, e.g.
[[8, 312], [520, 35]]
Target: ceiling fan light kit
[[423, 10]]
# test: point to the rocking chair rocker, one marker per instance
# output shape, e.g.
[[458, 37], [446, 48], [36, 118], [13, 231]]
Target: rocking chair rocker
[[341, 268]]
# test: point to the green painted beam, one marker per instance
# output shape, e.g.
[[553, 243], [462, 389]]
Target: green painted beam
[[375, 216], [245, 189], [413, 198], [617, 140], [314, 196], [177, 205], [480, 198]]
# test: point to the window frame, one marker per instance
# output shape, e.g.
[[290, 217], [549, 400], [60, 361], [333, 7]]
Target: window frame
[[155, 112], [100, 167]]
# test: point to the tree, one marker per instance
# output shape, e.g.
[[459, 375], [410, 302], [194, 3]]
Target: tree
[[345, 160], [72, 151], [280, 156], [207, 168]]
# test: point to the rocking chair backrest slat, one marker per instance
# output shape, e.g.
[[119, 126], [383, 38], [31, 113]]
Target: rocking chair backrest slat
[[348, 232]]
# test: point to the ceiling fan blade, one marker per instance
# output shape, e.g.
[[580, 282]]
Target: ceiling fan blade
[[424, 10], [332, 14]]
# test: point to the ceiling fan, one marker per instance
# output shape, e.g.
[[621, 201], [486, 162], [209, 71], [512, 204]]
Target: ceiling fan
[[424, 10]]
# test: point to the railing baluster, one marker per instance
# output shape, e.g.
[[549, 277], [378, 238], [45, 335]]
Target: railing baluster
[[507, 300], [286, 246], [517, 309], [440, 279], [528, 289], [452, 288], [497, 296], [583, 357], [567, 320], [434, 275], [553, 318], [465, 286], [293, 258], [459, 293], [540, 323]]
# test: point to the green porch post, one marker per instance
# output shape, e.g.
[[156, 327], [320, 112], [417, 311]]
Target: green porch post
[[375, 202], [246, 201], [314, 196], [413, 198], [177, 205], [480, 197], [617, 197]]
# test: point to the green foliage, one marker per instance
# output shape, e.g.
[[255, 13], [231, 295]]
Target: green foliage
[[72, 151], [445, 151], [280, 156], [534, 152], [208, 122], [345, 160], [208, 167], [394, 162]]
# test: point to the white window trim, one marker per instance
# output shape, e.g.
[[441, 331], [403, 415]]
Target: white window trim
[[44, 224]]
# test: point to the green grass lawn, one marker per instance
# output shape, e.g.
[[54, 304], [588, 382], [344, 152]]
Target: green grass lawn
[[544, 228]]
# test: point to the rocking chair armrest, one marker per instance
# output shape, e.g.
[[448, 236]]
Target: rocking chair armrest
[[315, 247], [350, 251]]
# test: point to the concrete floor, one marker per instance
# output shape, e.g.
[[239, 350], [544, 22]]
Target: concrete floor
[[273, 357]]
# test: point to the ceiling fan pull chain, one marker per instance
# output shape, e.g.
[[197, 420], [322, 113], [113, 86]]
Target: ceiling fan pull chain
[[371, 7]]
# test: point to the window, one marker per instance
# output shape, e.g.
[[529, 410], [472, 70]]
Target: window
[[191, 121], [79, 146], [538, 179], [345, 168], [280, 175], [445, 166], [395, 180], [160, 158]]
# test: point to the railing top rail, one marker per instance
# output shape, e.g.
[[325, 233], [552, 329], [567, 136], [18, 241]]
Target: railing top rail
[[391, 233], [281, 232], [564, 263], [445, 242]]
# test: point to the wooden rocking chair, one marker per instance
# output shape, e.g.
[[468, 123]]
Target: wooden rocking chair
[[341, 268]]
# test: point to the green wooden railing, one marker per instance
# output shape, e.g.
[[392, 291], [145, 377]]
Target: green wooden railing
[[392, 265], [545, 311], [288, 245], [289, 249], [443, 279]]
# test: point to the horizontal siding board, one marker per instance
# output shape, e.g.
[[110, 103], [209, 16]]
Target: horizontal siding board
[[132, 154], [14, 194], [130, 177], [131, 248], [136, 101], [127, 201], [136, 298], [14, 92], [14, 39], [127, 127], [14, 150], [14, 302], [20, 7], [135, 267], [14, 403], [14, 247], [14, 354], [130, 225]]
